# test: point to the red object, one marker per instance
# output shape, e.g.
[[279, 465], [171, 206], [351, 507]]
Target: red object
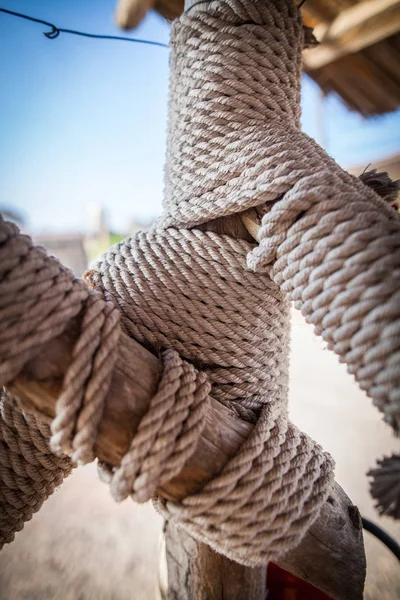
[[282, 585]]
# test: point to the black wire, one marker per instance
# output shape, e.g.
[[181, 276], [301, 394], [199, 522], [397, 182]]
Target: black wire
[[301, 4], [384, 537], [196, 4], [55, 31]]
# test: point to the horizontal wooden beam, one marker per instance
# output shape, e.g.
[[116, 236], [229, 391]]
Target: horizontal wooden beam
[[129, 13], [134, 383], [355, 28]]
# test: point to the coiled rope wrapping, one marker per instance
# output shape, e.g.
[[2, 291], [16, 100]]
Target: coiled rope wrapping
[[233, 143], [191, 291], [29, 470], [340, 263], [167, 435], [234, 88], [38, 296]]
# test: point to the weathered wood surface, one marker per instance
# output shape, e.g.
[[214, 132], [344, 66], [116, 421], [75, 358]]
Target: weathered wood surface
[[213, 576], [340, 554], [134, 382], [332, 547], [355, 28], [129, 13], [195, 572]]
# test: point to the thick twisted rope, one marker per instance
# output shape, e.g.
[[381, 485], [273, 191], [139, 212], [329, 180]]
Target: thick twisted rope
[[167, 435], [190, 291], [334, 247], [38, 296], [233, 143], [330, 242], [235, 83], [29, 471]]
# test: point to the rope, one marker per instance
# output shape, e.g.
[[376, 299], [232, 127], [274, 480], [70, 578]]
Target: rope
[[235, 83], [38, 297], [334, 247], [329, 243], [167, 435], [190, 291], [29, 471]]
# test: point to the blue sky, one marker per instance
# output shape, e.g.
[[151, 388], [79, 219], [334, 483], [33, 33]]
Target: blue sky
[[84, 120]]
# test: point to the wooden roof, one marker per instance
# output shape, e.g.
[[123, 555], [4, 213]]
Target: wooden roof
[[359, 52]]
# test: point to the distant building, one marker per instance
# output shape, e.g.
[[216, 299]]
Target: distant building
[[97, 219], [78, 251], [68, 248]]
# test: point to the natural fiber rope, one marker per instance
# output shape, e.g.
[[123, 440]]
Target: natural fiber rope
[[235, 83], [38, 297], [233, 143], [167, 435], [340, 263], [190, 291], [29, 471]]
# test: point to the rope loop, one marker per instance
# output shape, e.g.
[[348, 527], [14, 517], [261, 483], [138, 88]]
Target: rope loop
[[190, 290], [167, 435]]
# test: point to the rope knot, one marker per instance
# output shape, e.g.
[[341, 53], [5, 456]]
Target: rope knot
[[235, 325]]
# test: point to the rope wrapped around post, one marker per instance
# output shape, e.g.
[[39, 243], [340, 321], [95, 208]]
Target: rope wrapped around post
[[329, 241], [234, 111], [29, 470], [190, 291], [38, 297]]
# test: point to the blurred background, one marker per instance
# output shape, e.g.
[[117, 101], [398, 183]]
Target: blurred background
[[83, 132]]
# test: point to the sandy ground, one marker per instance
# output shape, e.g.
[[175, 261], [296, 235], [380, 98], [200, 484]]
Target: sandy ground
[[83, 546]]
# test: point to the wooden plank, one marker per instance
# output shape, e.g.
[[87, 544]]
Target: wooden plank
[[129, 13], [355, 28]]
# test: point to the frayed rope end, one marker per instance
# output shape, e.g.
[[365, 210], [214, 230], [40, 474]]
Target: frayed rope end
[[385, 486], [382, 184]]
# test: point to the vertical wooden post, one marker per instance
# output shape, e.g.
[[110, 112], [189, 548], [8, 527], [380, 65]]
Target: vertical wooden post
[[195, 571]]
